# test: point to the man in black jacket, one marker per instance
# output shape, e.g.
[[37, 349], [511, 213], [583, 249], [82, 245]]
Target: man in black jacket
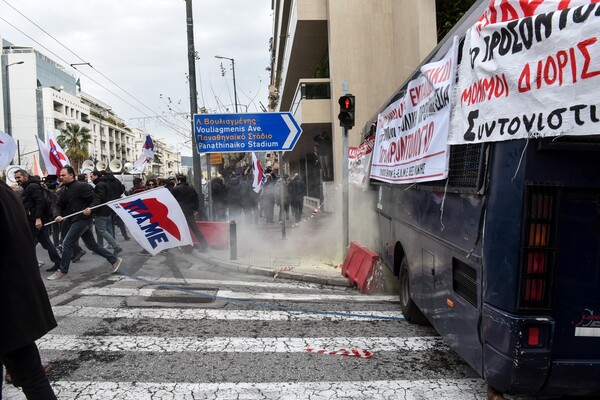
[[103, 218], [78, 197], [188, 199], [37, 213], [26, 313]]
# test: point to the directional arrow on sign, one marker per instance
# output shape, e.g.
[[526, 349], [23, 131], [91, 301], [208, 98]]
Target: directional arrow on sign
[[228, 133]]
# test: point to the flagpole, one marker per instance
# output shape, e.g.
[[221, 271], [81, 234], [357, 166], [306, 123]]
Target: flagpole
[[104, 204]]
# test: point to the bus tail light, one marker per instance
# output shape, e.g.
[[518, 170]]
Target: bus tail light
[[533, 336], [538, 248]]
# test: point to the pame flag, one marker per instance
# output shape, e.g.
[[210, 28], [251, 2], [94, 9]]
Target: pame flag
[[154, 219]]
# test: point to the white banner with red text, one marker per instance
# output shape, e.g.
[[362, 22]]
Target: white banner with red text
[[155, 220], [411, 142], [359, 163], [529, 69]]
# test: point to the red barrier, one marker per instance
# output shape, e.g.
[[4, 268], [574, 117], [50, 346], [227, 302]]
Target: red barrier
[[358, 266], [216, 234]]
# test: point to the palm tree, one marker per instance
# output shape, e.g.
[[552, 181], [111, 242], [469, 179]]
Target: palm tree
[[75, 140]]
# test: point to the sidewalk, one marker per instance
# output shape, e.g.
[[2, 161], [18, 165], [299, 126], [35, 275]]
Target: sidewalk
[[310, 251]]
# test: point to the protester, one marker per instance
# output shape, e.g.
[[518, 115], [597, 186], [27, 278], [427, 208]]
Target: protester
[[137, 186], [103, 216], [297, 192], [234, 197], [26, 313], [117, 190], [76, 197], [38, 213], [219, 198], [151, 184], [325, 154], [188, 199]]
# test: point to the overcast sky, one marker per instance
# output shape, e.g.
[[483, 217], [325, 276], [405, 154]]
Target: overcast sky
[[141, 46]]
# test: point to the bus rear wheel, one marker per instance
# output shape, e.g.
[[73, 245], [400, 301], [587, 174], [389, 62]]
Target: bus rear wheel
[[409, 309]]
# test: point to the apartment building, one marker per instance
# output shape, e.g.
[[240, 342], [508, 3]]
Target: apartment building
[[323, 48], [39, 95]]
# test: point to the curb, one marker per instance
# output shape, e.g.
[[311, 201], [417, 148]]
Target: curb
[[248, 269]]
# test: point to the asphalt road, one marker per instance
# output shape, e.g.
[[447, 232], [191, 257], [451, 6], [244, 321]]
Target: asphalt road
[[169, 327]]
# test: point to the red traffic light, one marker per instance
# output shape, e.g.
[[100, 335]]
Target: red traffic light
[[346, 103]]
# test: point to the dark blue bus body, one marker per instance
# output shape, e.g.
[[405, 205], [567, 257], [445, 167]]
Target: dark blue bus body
[[503, 257], [504, 260]]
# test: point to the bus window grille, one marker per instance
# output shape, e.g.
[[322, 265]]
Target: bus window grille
[[464, 166], [464, 281], [538, 248]]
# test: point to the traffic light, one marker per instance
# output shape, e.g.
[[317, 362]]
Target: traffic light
[[346, 115]]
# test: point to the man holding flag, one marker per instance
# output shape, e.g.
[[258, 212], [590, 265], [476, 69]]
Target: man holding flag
[[74, 198]]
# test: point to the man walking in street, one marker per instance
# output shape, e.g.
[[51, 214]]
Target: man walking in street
[[38, 213], [188, 199], [26, 312], [76, 197], [103, 218]]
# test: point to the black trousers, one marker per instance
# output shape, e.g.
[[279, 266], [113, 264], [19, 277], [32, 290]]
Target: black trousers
[[192, 224], [27, 372]]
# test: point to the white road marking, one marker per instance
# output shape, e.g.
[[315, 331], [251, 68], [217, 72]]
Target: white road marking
[[229, 294], [447, 389], [306, 297], [226, 315], [218, 283], [234, 344]]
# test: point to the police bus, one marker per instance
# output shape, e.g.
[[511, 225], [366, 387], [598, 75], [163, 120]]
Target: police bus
[[502, 256]]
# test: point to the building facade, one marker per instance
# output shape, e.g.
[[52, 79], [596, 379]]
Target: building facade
[[38, 95], [322, 49]]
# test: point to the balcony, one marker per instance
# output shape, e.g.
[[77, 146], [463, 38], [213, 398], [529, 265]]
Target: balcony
[[300, 45], [312, 101]]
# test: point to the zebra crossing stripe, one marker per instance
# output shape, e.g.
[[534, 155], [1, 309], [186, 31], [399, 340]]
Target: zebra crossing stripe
[[211, 314], [233, 344], [229, 294], [448, 389], [218, 283]]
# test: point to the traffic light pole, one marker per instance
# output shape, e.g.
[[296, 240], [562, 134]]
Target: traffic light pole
[[345, 202]]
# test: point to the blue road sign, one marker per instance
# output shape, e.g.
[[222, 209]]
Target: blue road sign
[[237, 133]]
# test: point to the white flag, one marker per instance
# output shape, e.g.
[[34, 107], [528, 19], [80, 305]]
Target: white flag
[[154, 219], [259, 175], [8, 147], [145, 157]]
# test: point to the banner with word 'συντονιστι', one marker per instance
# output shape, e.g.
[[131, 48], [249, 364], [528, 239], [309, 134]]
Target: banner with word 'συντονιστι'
[[529, 71]]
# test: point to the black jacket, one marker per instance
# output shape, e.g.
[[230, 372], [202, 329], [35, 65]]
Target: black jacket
[[187, 198], [33, 200], [74, 197], [116, 187], [104, 193], [26, 313]]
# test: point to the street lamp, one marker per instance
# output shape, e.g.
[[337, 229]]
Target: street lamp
[[8, 112], [234, 88]]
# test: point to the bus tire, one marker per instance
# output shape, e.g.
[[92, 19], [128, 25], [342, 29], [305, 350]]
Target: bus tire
[[409, 309]]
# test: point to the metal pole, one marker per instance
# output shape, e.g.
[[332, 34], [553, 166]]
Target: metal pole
[[209, 188], [19, 152], [282, 216], [234, 87], [193, 99], [345, 204]]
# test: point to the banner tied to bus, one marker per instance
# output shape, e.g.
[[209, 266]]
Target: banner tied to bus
[[529, 69], [411, 143]]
